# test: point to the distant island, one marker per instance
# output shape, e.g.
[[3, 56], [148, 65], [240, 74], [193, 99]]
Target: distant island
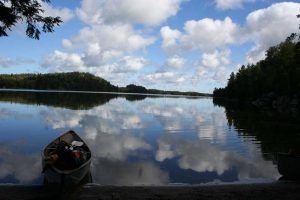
[[77, 81], [273, 82]]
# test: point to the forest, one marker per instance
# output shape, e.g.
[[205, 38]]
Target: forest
[[274, 79], [76, 81], [56, 81]]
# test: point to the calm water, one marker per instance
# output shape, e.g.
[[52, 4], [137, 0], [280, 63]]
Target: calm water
[[139, 140]]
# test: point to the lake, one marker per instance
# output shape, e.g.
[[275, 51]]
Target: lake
[[144, 140]]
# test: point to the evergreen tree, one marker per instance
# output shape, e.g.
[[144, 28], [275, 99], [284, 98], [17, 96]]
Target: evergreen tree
[[28, 11]]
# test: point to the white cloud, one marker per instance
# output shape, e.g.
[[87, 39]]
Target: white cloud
[[133, 64], [205, 34], [164, 77], [170, 38], [109, 42], [60, 61], [106, 45], [213, 66], [64, 13], [265, 27], [150, 13], [102, 45], [176, 62], [209, 34], [270, 26], [101, 38], [231, 4], [216, 59], [115, 71]]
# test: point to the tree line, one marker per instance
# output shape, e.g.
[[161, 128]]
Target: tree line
[[278, 73], [76, 81], [56, 81]]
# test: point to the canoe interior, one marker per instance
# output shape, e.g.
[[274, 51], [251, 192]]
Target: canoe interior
[[68, 137]]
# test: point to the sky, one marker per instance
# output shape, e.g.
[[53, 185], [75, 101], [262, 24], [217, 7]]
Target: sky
[[185, 45]]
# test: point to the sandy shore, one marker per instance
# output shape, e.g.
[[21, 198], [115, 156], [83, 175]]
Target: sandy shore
[[279, 190]]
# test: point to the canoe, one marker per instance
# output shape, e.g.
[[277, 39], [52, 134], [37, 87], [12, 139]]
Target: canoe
[[289, 165], [55, 174]]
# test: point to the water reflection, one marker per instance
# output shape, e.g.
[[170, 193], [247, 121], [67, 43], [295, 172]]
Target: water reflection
[[8, 113], [122, 172], [17, 167], [276, 132], [137, 141], [75, 101], [201, 156]]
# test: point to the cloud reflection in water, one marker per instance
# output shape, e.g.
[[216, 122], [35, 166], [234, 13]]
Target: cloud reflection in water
[[132, 141], [201, 156], [23, 168]]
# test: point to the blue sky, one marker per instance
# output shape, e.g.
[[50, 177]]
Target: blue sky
[[186, 45]]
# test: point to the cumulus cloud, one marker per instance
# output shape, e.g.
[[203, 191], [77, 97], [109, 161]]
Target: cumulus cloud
[[64, 13], [216, 59], [175, 62], [205, 34], [105, 37], [103, 43], [103, 51], [265, 27], [270, 26], [150, 13], [61, 61], [231, 4], [115, 71], [132, 63], [213, 66], [170, 39], [109, 41], [164, 77], [209, 34]]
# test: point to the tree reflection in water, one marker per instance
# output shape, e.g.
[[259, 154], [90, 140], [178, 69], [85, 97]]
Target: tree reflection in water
[[275, 131]]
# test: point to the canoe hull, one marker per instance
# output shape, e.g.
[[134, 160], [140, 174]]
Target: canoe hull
[[51, 176]]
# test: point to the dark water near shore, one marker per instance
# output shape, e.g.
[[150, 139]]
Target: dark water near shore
[[141, 140]]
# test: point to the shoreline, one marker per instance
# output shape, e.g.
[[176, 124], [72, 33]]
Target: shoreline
[[277, 190], [102, 92]]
